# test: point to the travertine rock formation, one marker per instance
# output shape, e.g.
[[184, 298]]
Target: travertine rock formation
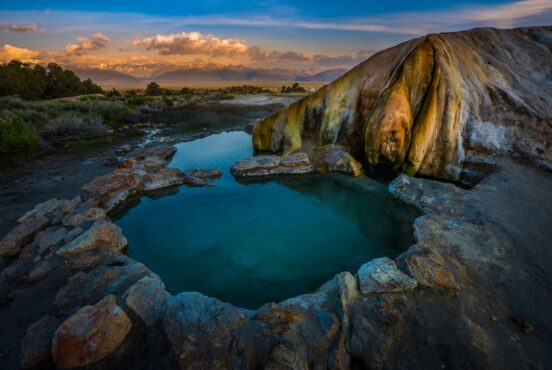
[[443, 105]]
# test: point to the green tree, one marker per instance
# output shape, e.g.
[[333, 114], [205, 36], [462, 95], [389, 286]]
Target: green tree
[[114, 92], [30, 83], [89, 87], [17, 78], [153, 89]]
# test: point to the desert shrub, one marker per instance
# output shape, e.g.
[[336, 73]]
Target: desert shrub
[[96, 126], [110, 111], [31, 116], [247, 89], [136, 100], [168, 101], [17, 139], [74, 126], [295, 88], [12, 102]]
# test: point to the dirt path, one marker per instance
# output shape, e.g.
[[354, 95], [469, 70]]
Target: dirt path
[[22, 187]]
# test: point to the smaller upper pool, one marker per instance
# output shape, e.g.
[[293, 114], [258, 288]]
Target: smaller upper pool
[[249, 244]]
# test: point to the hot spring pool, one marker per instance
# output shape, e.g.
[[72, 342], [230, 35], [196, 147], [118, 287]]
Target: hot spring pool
[[249, 244]]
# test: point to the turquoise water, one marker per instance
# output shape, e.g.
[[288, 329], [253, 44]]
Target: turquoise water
[[249, 244]]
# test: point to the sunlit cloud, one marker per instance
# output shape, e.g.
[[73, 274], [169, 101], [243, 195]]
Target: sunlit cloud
[[195, 43], [192, 43], [20, 28], [85, 44], [9, 52]]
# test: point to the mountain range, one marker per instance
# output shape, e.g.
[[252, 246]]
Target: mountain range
[[129, 74]]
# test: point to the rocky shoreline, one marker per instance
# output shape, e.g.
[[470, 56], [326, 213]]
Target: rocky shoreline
[[71, 298]]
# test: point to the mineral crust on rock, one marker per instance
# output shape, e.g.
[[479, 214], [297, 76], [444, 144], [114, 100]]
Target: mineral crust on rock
[[431, 106]]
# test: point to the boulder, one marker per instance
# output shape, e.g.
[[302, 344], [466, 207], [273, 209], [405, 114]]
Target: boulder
[[343, 284], [334, 158], [148, 298], [49, 238], [91, 334], [80, 215], [163, 178], [314, 306], [381, 275], [115, 275], [35, 345], [22, 234], [159, 154], [430, 261], [267, 165], [51, 208], [103, 234], [71, 235], [38, 272], [200, 177], [430, 268], [202, 330], [111, 189], [205, 174]]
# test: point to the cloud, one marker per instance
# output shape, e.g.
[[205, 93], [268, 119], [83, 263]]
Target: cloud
[[9, 52], [257, 54], [193, 43], [85, 44], [21, 28]]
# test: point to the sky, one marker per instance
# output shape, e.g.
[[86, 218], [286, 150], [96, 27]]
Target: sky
[[308, 34]]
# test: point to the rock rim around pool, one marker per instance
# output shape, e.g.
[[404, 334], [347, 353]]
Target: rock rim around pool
[[353, 317], [328, 158], [143, 172]]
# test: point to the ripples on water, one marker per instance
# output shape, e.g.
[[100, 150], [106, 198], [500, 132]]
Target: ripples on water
[[248, 244]]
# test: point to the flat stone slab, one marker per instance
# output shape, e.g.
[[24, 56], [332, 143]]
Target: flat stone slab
[[267, 165], [22, 234], [111, 189], [160, 153], [163, 178], [382, 276]]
